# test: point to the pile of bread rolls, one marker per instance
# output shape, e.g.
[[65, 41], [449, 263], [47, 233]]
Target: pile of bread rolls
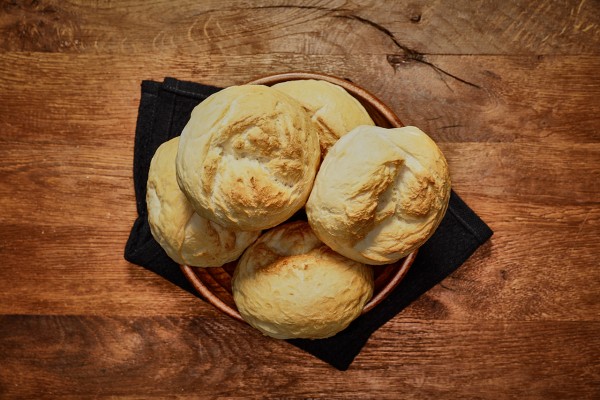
[[251, 156]]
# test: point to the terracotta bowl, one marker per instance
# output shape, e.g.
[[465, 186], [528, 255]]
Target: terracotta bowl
[[214, 284]]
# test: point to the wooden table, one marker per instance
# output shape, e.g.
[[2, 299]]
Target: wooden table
[[509, 89]]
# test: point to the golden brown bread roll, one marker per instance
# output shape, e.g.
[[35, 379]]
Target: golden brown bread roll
[[379, 194], [290, 285], [185, 236], [248, 157], [333, 110]]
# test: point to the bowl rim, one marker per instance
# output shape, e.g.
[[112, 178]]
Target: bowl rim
[[354, 89], [198, 284]]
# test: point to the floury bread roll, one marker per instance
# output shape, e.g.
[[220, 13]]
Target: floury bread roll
[[185, 236], [380, 194], [247, 157], [333, 110], [290, 285]]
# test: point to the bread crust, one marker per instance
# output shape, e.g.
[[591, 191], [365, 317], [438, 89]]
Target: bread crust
[[247, 157], [185, 236], [290, 285], [380, 194], [331, 108]]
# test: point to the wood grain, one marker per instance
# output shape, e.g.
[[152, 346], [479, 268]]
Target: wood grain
[[510, 90], [77, 281], [513, 100], [504, 288], [195, 356], [229, 27]]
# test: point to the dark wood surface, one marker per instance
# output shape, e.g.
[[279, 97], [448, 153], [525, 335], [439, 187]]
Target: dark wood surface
[[511, 92]]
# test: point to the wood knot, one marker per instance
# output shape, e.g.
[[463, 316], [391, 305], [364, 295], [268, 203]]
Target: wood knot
[[397, 60], [415, 18], [40, 26]]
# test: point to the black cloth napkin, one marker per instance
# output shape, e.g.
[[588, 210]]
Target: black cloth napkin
[[163, 112]]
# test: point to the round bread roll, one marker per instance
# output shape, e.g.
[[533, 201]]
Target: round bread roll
[[290, 285], [247, 157], [380, 194], [333, 110], [185, 236]]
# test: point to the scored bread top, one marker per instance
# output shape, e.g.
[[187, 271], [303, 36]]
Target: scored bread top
[[290, 285], [248, 157], [332, 109], [379, 194], [186, 237]]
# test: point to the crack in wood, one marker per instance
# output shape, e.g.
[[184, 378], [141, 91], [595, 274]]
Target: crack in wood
[[393, 59], [451, 126], [409, 54], [435, 67], [317, 8], [447, 287]]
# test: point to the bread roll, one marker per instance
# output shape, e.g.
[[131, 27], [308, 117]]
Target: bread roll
[[290, 285], [333, 110], [248, 157], [185, 236], [380, 194]]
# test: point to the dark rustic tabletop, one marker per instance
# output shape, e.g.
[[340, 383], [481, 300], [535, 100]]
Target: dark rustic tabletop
[[509, 89]]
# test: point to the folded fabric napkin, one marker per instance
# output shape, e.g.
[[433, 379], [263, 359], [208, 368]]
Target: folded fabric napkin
[[163, 112]]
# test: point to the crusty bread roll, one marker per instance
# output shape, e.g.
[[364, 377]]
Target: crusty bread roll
[[290, 285], [247, 157], [333, 110], [186, 237], [380, 194]]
